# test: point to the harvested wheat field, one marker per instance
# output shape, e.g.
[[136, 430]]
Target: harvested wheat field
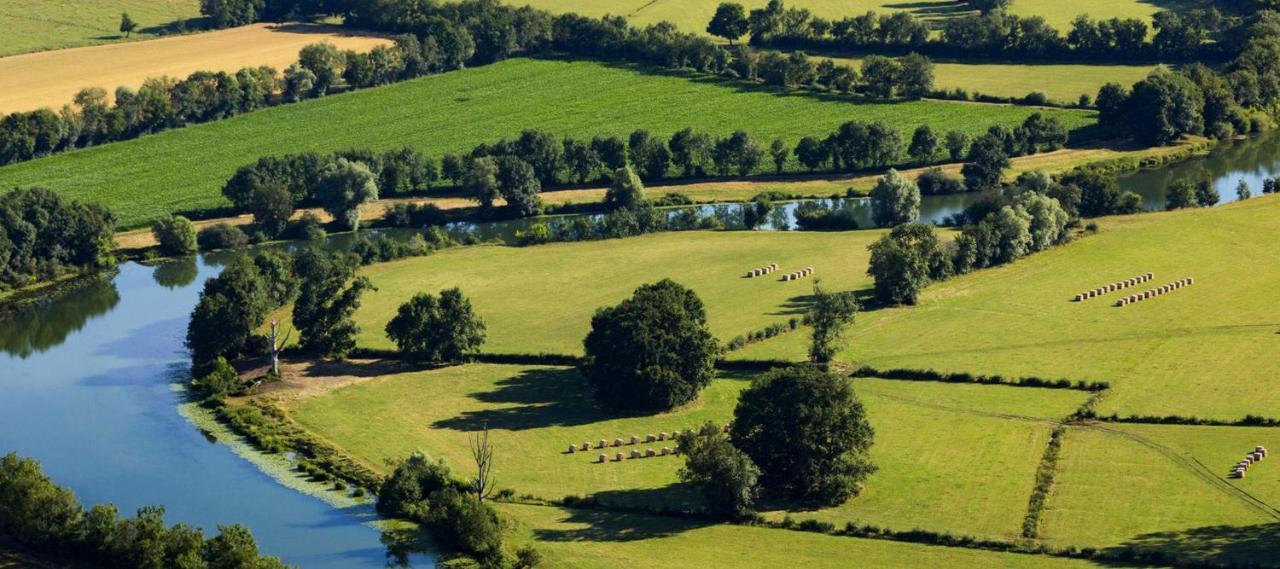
[[52, 78]]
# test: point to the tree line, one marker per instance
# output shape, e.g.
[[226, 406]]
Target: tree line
[[516, 171], [1182, 35], [44, 235], [49, 519]]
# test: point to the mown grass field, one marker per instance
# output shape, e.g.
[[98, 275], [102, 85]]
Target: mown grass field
[[1163, 487], [541, 299], [693, 15], [57, 24], [1061, 82], [184, 169], [586, 539], [52, 78], [1207, 350], [956, 458]]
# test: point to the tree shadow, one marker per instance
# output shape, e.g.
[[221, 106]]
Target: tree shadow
[[612, 526], [939, 9], [1217, 545], [360, 368], [542, 398]]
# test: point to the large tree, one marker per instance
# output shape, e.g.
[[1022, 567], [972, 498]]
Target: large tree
[[652, 352], [437, 329], [343, 186], [729, 480], [894, 200], [905, 261], [327, 297], [626, 190], [986, 163], [808, 433], [828, 316], [730, 22]]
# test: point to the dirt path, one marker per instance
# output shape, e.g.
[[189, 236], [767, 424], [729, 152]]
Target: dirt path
[[52, 78]]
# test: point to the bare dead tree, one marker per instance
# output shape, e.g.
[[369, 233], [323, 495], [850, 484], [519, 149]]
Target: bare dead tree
[[276, 344], [482, 452]]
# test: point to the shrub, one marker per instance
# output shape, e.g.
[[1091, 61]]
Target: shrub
[[460, 521], [221, 236], [935, 182], [729, 480], [176, 235], [652, 352], [309, 227]]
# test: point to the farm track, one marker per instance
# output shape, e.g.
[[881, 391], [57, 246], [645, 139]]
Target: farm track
[[1196, 468]]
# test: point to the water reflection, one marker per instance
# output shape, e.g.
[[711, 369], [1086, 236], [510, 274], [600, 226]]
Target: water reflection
[[176, 273], [1251, 160], [44, 325]]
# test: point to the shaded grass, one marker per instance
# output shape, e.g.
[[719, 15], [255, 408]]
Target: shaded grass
[[1141, 485], [1207, 350], [953, 458], [541, 299], [184, 169], [592, 539], [56, 24]]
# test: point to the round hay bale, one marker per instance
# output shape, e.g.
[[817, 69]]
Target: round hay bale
[[662, 436], [617, 442], [665, 451], [635, 439], [573, 449], [586, 445], [619, 457], [650, 438], [635, 453], [603, 443], [604, 458], [650, 453], [1078, 298]]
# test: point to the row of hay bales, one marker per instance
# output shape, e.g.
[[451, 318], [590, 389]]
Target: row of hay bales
[[635, 440], [762, 271], [1120, 285], [1241, 468], [637, 453], [1152, 293], [798, 274]]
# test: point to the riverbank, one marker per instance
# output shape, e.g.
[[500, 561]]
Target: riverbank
[[737, 190], [12, 300]]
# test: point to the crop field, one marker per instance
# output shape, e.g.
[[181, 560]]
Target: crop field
[[957, 458], [1061, 82], [183, 169], [1114, 481], [58, 24], [589, 539], [1207, 350], [521, 292], [51, 79], [693, 15]]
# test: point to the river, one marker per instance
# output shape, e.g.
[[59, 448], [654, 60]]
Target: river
[[89, 388]]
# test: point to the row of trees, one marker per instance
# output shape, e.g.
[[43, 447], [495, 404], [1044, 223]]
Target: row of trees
[[47, 518], [1195, 99], [44, 235], [1178, 35]]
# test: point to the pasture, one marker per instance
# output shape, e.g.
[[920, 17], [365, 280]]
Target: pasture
[[1163, 487], [959, 458], [51, 79], [590, 539], [693, 15], [1206, 350], [184, 169], [541, 299], [59, 24]]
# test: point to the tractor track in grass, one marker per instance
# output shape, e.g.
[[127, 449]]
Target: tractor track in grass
[[963, 410], [1196, 468]]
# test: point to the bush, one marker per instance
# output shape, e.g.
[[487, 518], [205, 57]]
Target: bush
[[221, 236], [176, 235], [1038, 98], [461, 522], [309, 228], [816, 216], [935, 182], [652, 352], [442, 329], [729, 480]]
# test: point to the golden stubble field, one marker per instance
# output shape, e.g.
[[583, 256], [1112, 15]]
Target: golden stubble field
[[52, 78]]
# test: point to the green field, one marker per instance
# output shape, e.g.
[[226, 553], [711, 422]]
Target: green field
[[693, 15], [184, 169], [585, 539], [1207, 350], [57, 24], [540, 299], [957, 458], [1061, 82], [1162, 487]]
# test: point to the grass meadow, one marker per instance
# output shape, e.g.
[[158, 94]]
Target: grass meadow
[[588, 539], [1206, 350], [957, 458], [693, 15], [541, 299], [1164, 487], [57, 24], [184, 169]]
